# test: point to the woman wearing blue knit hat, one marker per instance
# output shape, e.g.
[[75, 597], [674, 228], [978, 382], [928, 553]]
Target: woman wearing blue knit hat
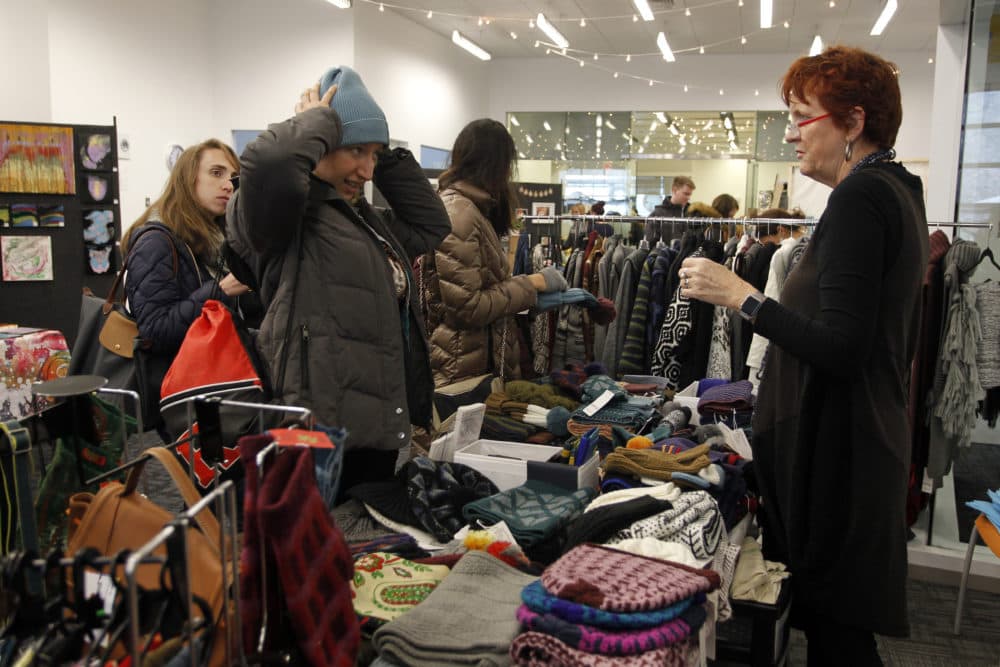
[[342, 334]]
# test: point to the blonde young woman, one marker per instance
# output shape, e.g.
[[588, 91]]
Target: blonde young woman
[[165, 294]]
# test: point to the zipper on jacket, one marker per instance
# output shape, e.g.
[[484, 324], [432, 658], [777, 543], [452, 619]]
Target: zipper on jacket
[[304, 357]]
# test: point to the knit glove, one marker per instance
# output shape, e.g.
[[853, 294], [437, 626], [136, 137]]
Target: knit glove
[[554, 280], [574, 295]]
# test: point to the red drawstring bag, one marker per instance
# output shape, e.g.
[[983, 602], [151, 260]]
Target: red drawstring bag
[[217, 359]]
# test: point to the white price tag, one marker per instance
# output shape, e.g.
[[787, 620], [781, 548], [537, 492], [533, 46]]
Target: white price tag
[[102, 586], [598, 403]]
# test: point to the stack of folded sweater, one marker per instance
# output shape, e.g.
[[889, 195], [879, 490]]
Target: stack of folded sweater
[[597, 606]]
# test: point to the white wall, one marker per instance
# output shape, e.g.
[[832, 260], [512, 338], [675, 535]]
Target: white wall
[[265, 56], [551, 83], [429, 88], [145, 63], [24, 75]]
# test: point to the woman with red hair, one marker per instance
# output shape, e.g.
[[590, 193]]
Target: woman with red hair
[[830, 432]]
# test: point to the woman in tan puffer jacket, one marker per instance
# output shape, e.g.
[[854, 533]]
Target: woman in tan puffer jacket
[[470, 295]]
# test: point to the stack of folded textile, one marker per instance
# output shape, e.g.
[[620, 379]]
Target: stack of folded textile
[[597, 606]]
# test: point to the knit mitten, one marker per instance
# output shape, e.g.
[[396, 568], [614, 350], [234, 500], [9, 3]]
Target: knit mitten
[[313, 560], [554, 280]]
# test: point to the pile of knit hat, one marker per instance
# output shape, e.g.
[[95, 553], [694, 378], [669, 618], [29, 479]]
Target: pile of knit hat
[[598, 606]]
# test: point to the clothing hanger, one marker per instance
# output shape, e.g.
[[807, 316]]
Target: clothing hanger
[[988, 254]]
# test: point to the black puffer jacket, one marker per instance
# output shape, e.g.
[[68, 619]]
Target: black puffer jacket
[[163, 302], [350, 351]]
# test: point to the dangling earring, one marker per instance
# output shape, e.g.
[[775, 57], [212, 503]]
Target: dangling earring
[[848, 151]]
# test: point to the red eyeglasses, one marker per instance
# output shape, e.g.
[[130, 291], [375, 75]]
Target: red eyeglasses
[[794, 126]]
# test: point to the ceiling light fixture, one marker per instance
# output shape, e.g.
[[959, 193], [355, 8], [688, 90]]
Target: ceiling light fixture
[[599, 121], [687, 11], [545, 124], [550, 30], [528, 138], [673, 129], [766, 12], [635, 19], [381, 7], [884, 17], [513, 35], [583, 23], [628, 57], [430, 14], [342, 4], [642, 6], [595, 56], [616, 75], [651, 82], [531, 23], [685, 87], [662, 117], [513, 121], [701, 50], [608, 123], [661, 41], [817, 46], [787, 24], [469, 46]]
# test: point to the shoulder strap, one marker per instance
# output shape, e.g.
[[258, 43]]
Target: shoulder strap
[[207, 521]]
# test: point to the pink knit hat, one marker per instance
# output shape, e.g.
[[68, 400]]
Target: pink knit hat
[[619, 581]]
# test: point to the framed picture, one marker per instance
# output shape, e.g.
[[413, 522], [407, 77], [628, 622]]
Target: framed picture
[[37, 159], [543, 209], [520, 213]]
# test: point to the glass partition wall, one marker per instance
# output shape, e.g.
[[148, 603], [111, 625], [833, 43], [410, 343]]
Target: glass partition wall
[[629, 159]]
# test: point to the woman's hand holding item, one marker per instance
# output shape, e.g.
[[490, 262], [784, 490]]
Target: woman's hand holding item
[[577, 295], [230, 286], [552, 280], [711, 282]]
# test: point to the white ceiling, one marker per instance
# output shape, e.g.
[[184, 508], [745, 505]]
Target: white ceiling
[[717, 25]]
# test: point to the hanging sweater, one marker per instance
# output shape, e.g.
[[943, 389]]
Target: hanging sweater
[[624, 299]]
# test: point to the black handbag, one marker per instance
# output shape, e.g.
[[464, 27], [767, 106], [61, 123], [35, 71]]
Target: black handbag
[[103, 346]]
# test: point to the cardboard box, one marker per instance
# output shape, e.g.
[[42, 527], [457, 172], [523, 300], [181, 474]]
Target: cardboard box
[[510, 464]]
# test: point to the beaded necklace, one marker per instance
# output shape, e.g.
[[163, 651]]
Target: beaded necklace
[[878, 156]]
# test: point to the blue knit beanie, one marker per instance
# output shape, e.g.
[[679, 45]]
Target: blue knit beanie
[[361, 117]]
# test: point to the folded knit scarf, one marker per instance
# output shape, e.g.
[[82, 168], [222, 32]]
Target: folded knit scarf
[[534, 511], [590, 639], [540, 600], [537, 649], [655, 464], [694, 520]]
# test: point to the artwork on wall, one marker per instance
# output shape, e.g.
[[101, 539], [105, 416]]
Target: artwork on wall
[[542, 208], [97, 187], [4, 215], [26, 258], [37, 159], [95, 151], [23, 215], [51, 216]]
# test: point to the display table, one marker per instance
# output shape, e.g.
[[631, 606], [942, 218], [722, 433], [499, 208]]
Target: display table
[[29, 356]]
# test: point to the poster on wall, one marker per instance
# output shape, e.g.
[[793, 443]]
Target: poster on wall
[[37, 159], [26, 258], [95, 151], [542, 208]]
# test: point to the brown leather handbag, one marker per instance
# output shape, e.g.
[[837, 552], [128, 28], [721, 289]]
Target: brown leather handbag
[[118, 517]]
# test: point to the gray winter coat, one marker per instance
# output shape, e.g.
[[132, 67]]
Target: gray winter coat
[[347, 348]]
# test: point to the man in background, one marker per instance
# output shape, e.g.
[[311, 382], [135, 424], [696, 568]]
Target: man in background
[[675, 206]]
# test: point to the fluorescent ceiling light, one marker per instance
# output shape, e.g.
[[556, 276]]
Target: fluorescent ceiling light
[[766, 10], [661, 41], [545, 124], [610, 126], [513, 121], [472, 48], [642, 7], [343, 4], [817, 46], [673, 129], [551, 31], [662, 117], [884, 17]]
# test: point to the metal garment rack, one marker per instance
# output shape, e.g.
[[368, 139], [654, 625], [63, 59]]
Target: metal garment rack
[[224, 497], [794, 222]]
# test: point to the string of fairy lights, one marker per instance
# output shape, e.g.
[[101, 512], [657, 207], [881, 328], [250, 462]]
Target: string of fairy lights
[[555, 44]]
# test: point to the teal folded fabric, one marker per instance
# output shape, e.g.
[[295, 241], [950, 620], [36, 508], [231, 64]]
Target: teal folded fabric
[[533, 511]]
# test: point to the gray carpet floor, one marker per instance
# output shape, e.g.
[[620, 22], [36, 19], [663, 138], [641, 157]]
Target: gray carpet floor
[[931, 642]]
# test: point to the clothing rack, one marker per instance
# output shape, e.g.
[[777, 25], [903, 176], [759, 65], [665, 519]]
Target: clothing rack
[[224, 497], [552, 219]]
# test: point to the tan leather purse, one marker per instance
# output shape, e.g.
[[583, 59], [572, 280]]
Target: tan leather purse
[[118, 517], [119, 331]]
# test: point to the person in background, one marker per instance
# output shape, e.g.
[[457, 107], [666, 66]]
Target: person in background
[[174, 252], [726, 205], [675, 206], [831, 437], [342, 332], [597, 208], [470, 294]]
